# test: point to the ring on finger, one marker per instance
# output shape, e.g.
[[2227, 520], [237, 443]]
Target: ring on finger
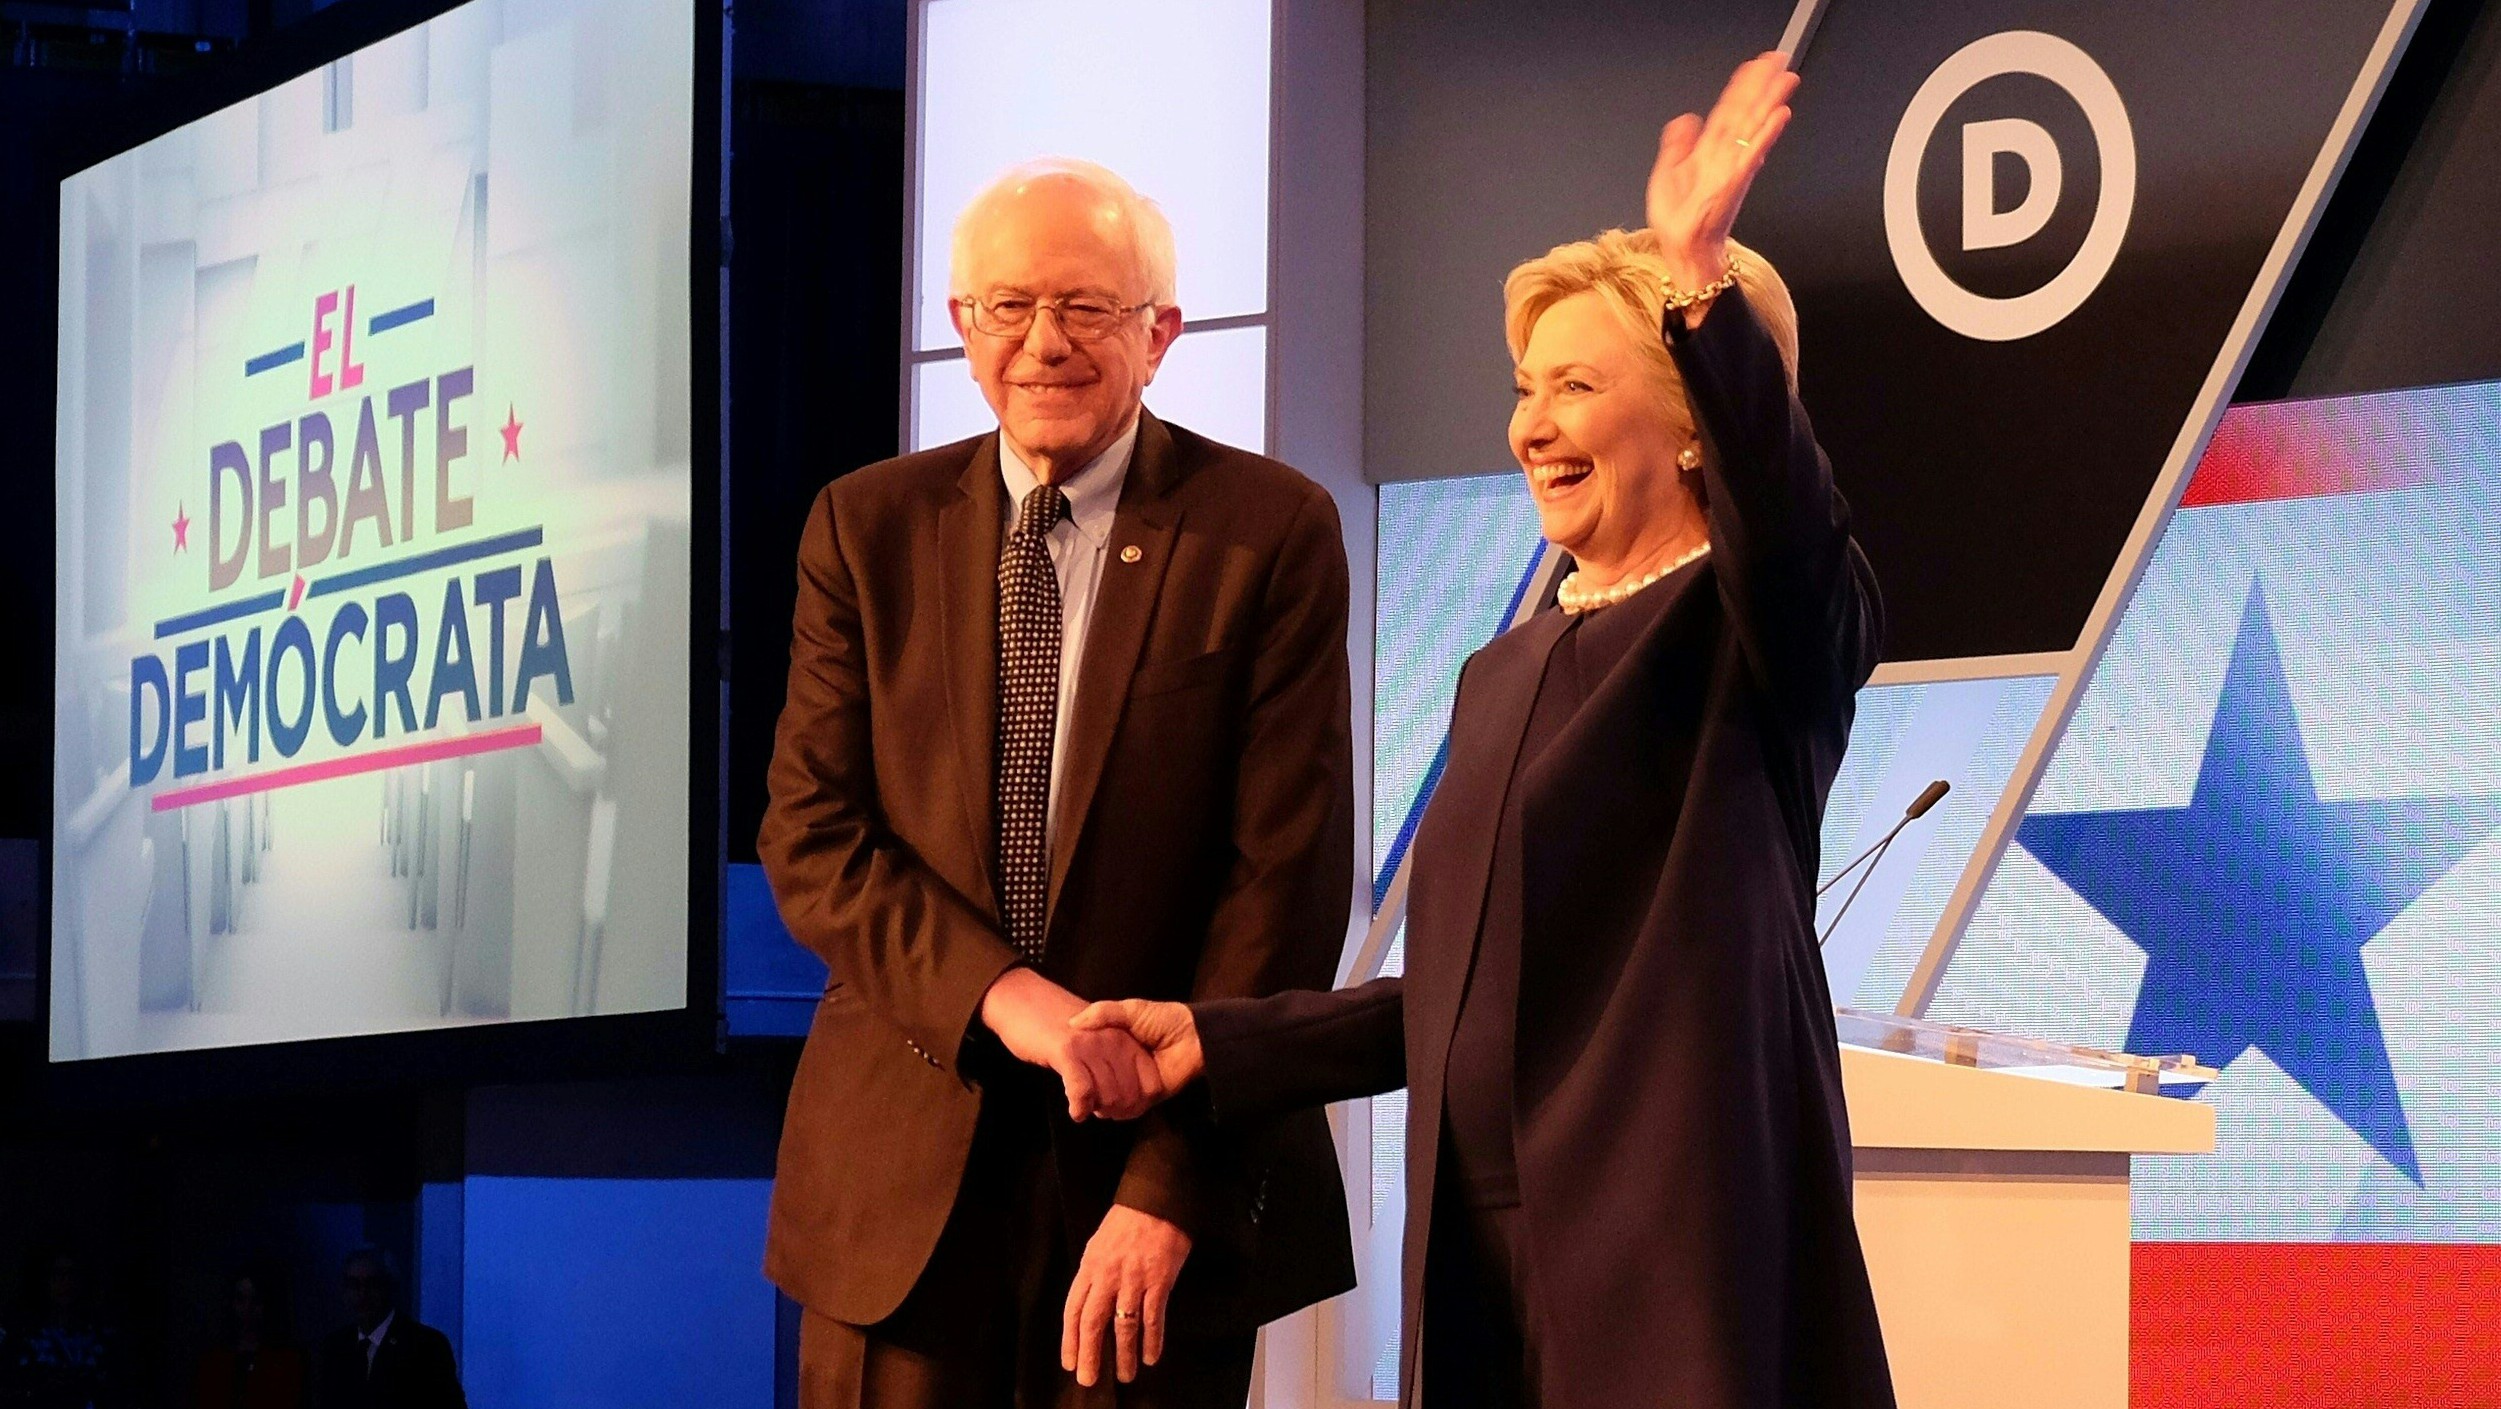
[[1124, 1314]]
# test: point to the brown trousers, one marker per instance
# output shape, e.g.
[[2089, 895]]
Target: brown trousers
[[981, 1328]]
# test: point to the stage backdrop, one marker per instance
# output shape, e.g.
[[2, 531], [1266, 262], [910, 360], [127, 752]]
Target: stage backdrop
[[373, 487], [2031, 245], [2272, 837]]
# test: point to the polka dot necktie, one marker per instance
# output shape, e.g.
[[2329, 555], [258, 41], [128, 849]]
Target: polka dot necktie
[[1029, 626]]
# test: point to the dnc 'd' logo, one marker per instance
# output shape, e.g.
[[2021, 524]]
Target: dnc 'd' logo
[[1988, 220]]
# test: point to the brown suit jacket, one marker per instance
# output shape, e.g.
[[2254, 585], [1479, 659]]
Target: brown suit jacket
[[1203, 848]]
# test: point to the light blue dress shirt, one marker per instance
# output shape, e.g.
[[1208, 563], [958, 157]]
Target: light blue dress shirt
[[1079, 544]]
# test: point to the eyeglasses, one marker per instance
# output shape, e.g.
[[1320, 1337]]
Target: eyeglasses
[[1083, 317]]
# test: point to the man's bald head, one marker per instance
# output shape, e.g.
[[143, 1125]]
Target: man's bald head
[[1058, 195]]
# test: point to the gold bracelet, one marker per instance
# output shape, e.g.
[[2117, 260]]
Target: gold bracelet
[[1678, 300]]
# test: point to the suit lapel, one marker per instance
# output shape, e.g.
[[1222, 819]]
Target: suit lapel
[[1124, 607], [968, 561], [1474, 793]]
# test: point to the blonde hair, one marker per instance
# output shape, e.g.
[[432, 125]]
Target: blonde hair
[[1158, 264], [1624, 269]]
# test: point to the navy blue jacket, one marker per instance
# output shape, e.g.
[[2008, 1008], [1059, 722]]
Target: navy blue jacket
[[1684, 1154]]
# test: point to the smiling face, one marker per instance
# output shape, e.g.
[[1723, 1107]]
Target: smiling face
[[1060, 402], [1599, 447]]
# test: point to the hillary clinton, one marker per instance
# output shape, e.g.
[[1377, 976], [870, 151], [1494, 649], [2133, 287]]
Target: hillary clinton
[[1628, 1163]]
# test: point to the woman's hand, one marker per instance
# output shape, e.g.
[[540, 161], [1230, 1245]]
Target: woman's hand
[[1166, 1030], [1706, 165], [1104, 1072]]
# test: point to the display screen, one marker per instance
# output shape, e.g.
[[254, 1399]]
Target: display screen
[[2271, 834], [2271, 837], [374, 490]]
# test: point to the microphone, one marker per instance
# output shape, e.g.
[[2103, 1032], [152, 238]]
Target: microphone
[[1928, 797], [1918, 808]]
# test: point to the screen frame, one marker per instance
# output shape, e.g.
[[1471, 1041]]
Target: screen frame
[[482, 1053]]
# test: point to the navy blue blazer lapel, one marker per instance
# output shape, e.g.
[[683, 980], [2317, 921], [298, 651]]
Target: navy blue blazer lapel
[[1486, 731]]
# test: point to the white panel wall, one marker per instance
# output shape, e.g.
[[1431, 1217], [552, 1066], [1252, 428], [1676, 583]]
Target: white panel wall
[[1173, 95], [1244, 120]]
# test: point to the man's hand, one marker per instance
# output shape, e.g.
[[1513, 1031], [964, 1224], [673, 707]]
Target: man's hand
[[1165, 1030], [1104, 1071], [1122, 1283]]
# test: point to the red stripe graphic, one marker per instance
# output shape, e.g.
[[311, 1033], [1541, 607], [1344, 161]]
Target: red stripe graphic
[[518, 736], [2315, 1326], [2293, 451]]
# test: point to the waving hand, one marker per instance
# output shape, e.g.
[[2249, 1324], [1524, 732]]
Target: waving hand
[[1706, 165]]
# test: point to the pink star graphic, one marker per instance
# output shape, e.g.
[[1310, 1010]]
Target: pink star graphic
[[512, 433], [182, 529]]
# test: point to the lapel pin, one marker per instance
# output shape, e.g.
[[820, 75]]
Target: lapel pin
[[1131, 554]]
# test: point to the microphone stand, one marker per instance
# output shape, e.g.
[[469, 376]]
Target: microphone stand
[[1874, 855]]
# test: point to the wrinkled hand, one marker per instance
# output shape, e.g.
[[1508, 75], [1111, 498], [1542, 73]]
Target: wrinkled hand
[[1104, 1071], [1122, 1284], [1166, 1030], [1706, 165]]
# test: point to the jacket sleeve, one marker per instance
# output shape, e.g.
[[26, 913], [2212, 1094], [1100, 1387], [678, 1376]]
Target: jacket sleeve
[[1799, 591], [1281, 916], [1290, 1050], [913, 948]]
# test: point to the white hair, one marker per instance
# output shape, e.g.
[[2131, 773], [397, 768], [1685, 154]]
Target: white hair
[[1157, 262]]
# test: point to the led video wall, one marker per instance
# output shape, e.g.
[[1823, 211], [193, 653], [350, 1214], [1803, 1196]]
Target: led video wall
[[2271, 835], [374, 493]]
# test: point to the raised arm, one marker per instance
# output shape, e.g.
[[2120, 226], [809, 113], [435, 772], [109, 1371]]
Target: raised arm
[[1799, 591], [1797, 588]]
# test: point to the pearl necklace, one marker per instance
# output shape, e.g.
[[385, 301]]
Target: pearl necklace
[[1574, 600]]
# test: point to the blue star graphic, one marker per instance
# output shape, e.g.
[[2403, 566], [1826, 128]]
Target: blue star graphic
[[2253, 902]]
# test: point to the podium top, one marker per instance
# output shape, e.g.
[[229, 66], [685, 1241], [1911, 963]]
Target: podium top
[[1919, 1085], [2024, 1056]]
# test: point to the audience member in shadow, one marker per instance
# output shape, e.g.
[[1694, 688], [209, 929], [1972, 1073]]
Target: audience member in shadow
[[254, 1367], [386, 1360], [66, 1358]]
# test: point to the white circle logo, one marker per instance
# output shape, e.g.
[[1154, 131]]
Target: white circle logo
[[1985, 226]]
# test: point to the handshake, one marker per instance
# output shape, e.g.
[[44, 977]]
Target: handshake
[[1116, 1061]]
